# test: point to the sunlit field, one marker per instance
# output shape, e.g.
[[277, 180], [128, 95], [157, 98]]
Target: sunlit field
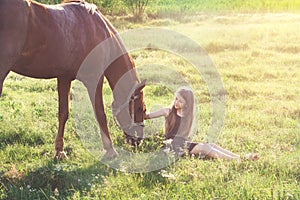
[[258, 58]]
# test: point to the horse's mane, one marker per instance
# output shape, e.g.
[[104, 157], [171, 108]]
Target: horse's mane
[[92, 8]]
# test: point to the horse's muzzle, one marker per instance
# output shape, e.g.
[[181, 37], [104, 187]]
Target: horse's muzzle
[[135, 134]]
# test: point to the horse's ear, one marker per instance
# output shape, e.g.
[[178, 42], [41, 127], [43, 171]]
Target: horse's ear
[[140, 85]]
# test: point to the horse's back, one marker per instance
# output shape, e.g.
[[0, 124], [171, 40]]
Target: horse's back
[[13, 28], [58, 38]]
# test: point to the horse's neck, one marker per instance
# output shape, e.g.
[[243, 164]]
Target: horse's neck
[[122, 78]]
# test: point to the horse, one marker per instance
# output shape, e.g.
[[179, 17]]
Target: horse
[[73, 41]]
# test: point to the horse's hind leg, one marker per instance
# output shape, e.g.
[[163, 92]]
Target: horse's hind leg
[[63, 86], [3, 75], [1, 86]]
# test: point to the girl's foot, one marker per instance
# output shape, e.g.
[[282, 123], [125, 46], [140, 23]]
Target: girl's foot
[[251, 156]]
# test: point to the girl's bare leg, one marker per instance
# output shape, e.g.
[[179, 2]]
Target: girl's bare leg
[[210, 151], [224, 150]]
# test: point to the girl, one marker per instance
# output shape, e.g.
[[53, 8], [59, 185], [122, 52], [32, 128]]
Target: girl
[[178, 125]]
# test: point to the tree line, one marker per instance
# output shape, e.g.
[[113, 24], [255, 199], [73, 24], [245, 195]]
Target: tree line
[[114, 7]]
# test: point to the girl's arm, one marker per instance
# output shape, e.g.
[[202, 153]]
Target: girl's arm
[[159, 113]]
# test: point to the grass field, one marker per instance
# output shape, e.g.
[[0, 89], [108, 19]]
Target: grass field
[[258, 59], [191, 6]]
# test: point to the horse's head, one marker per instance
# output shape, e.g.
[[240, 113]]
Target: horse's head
[[137, 110], [130, 115]]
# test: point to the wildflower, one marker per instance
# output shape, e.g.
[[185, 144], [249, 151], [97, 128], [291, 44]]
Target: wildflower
[[56, 192]]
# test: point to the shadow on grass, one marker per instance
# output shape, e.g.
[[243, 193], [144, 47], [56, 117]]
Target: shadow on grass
[[62, 180], [54, 180]]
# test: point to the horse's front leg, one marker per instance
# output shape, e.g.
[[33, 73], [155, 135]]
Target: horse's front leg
[[63, 86], [97, 101], [106, 139]]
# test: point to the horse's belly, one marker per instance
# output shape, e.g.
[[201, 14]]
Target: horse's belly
[[35, 74], [44, 67], [42, 72]]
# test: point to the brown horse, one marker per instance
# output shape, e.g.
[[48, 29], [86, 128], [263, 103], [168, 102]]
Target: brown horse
[[72, 41]]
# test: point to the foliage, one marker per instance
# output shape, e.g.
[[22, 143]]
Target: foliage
[[180, 8], [137, 7], [50, 1]]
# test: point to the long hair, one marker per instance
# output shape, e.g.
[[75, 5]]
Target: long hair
[[186, 122]]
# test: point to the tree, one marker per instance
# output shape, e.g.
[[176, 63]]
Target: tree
[[50, 1], [137, 7]]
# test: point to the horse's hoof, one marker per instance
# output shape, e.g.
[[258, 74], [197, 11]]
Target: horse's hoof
[[111, 154], [60, 155]]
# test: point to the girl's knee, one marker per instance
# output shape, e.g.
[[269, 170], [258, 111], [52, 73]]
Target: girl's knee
[[197, 149]]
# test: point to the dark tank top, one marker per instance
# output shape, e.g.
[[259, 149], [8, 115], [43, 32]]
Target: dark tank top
[[172, 133], [179, 141]]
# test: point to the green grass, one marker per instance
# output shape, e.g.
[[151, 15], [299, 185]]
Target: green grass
[[188, 6], [258, 59], [182, 9]]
